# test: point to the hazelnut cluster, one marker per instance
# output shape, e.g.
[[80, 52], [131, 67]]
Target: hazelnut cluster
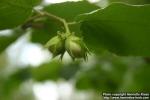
[[74, 45]]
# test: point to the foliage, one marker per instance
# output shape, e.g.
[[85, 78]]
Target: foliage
[[117, 37]]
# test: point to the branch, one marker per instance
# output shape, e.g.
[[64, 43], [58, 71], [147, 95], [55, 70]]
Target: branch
[[44, 13]]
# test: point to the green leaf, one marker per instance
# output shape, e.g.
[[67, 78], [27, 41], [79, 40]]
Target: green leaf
[[120, 28], [106, 74], [144, 73], [15, 12], [47, 30], [47, 71], [66, 10], [5, 41], [54, 71], [139, 2], [96, 78], [69, 10], [69, 71], [15, 79], [141, 79]]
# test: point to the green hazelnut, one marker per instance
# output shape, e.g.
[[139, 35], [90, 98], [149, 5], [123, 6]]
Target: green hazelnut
[[76, 47], [56, 45]]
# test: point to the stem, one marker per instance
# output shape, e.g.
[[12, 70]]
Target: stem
[[66, 27], [72, 23], [44, 13], [34, 17], [28, 23]]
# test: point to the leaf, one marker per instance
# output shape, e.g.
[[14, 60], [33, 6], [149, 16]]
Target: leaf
[[15, 12], [96, 78], [66, 10], [5, 41], [15, 79], [69, 71], [137, 78], [106, 74], [47, 30], [54, 71], [141, 78], [139, 2], [47, 71], [120, 28], [69, 10]]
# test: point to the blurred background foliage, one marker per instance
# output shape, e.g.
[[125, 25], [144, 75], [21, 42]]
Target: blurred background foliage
[[104, 71]]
